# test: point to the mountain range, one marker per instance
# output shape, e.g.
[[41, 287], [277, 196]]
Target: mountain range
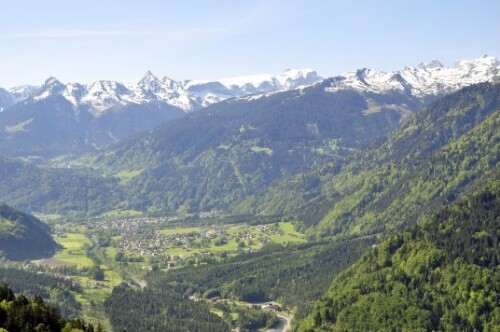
[[67, 120], [106, 96]]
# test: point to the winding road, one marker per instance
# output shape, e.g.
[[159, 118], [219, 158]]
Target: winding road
[[283, 326]]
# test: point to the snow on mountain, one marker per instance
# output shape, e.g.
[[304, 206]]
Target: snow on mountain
[[20, 93], [288, 79], [426, 80], [103, 96], [210, 92]]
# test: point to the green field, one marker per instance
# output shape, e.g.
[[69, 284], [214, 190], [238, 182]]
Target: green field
[[290, 234], [281, 233], [231, 245], [73, 251]]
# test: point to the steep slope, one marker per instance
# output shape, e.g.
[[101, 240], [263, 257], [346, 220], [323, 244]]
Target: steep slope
[[45, 129], [5, 99], [23, 236], [103, 96], [215, 158], [437, 154], [57, 190], [439, 276], [54, 126], [429, 162]]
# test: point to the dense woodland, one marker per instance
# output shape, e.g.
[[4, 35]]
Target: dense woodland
[[441, 275], [391, 185], [211, 159], [282, 274], [23, 236], [242, 157], [18, 313], [159, 309], [55, 190], [52, 288]]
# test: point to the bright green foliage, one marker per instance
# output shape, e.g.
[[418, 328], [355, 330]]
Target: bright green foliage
[[213, 159], [18, 313], [277, 273], [395, 195], [441, 275]]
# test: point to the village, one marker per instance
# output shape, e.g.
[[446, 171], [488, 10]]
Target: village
[[152, 236]]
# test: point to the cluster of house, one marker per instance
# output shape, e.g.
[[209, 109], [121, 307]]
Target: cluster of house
[[142, 236], [129, 224]]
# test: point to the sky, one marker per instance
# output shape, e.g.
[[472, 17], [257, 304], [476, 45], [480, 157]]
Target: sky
[[85, 41]]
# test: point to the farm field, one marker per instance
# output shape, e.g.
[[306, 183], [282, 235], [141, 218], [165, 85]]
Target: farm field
[[73, 249]]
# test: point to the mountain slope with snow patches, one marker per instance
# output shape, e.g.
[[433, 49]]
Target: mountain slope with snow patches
[[429, 79]]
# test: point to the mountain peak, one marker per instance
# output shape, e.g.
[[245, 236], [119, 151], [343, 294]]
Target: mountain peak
[[433, 63], [148, 77], [51, 81]]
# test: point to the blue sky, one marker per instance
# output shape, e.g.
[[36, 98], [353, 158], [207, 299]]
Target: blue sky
[[83, 41]]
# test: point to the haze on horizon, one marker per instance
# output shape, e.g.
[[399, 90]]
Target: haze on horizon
[[121, 40]]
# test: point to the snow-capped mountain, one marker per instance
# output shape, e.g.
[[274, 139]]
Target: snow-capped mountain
[[428, 79], [210, 92], [14, 95], [103, 96], [69, 119]]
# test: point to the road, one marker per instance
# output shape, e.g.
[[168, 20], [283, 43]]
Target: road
[[283, 326]]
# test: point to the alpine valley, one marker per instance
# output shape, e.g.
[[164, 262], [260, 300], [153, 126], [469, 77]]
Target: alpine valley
[[365, 201]]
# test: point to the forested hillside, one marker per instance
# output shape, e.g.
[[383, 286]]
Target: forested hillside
[[438, 153], [56, 190], [18, 313], [208, 160], [23, 236], [216, 158], [441, 275], [46, 285]]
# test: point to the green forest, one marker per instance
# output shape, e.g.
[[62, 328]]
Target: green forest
[[441, 275], [18, 313], [23, 236]]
